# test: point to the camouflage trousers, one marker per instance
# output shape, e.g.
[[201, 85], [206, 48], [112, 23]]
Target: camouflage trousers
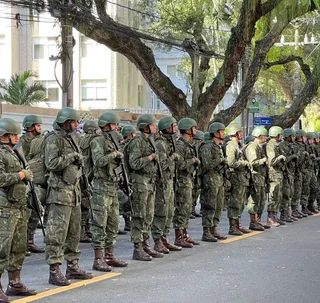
[[297, 190], [183, 196], [124, 204], [105, 214], [257, 200], [163, 211], [212, 204], [195, 195], [62, 233], [34, 219], [313, 188], [287, 192], [236, 201], [143, 199], [85, 209], [306, 177], [275, 195], [13, 237]]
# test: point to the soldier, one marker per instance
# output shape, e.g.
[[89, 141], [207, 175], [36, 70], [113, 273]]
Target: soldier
[[105, 205], [128, 132], [238, 168], [186, 167], [142, 160], [312, 168], [91, 130], [317, 145], [14, 213], [213, 163], [63, 161], [258, 161], [164, 208], [32, 125], [302, 177], [287, 149], [277, 163], [197, 141]]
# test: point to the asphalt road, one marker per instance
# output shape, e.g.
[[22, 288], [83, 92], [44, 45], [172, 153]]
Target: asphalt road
[[278, 265]]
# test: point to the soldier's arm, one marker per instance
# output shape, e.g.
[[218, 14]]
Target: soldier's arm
[[53, 159], [209, 160], [7, 179], [136, 159], [100, 157], [252, 157], [183, 163], [273, 160], [165, 160], [232, 161]]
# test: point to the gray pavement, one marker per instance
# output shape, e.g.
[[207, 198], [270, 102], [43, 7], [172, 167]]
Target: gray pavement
[[279, 265]]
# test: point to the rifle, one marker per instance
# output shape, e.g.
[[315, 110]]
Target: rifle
[[196, 176], [264, 149], [33, 200], [252, 186], [121, 169], [161, 183], [174, 144], [86, 190]]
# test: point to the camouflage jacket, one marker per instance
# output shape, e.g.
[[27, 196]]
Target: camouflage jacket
[[254, 154], [299, 149], [287, 149], [185, 164], [212, 162], [64, 172], [138, 151], [166, 149], [25, 140], [311, 161], [276, 165], [104, 161], [12, 189]]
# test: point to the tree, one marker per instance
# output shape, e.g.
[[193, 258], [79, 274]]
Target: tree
[[17, 91], [92, 20]]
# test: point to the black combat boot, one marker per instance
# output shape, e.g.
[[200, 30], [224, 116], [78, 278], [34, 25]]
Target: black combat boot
[[284, 217], [170, 246], [259, 222], [188, 239], [111, 260], [150, 251], [254, 225], [295, 213], [233, 229], [16, 287], [306, 211], [215, 233], [127, 223], [32, 247], [207, 236], [241, 228], [84, 238], [56, 277], [3, 296], [312, 209], [140, 254], [159, 247], [275, 216], [180, 240], [99, 262], [75, 272]]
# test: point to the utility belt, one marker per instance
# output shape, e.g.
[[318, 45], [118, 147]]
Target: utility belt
[[145, 177]]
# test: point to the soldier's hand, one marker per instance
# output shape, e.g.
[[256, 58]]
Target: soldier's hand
[[196, 161], [312, 156], [294, 157], [154, 157], [305, 154], [282, 158], [264, 160], [246, 163], [76, 156], [119, 155], [26, 174], [175, 156]]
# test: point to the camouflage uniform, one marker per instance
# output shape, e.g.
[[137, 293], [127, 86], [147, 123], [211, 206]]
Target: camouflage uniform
[[64, 197]]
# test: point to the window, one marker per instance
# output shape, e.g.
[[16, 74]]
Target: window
[[38, 51], [94, 90], [52, 91], [2, 46], [140, 95], [88, 47], [172, 71]]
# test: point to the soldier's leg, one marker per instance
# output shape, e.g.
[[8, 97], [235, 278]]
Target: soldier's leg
[[295, 201], [218, 212], [306, 177], [318, 195], [275, 197], [208, 200], [286, 198], [85, 207], [256, 203], [313, 193]]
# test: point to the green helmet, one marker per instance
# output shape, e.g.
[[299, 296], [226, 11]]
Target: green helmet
[[90, 126], [287, 132], [144, 120], [199, 135], [233, 129], [317, 135], [274, 131], [166, 122], [55, 125], [206, 136], [9, 126], [300, 133], [216, 126], [259, 131], [186, 123], [127, 130], [30, 120], [67, 113], [311, 135], [249, 139], [108, 117]]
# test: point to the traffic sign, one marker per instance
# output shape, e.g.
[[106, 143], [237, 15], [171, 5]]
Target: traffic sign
[[263, 121], [254, 106]]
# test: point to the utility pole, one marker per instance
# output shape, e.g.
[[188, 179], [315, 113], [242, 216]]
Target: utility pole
[[195, 79], [296, 76]]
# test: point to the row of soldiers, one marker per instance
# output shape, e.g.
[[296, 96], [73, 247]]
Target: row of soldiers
[[160, 175]]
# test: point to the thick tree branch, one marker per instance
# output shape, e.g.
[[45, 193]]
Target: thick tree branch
[[268, 6]]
